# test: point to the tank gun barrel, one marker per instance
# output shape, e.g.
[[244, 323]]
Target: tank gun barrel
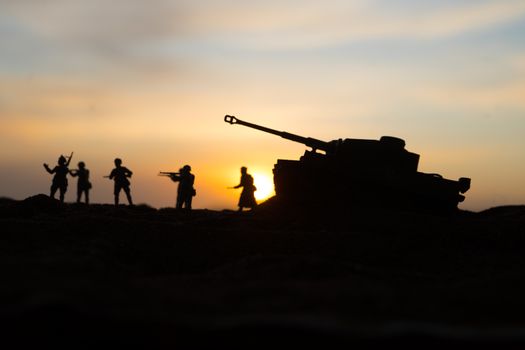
[[308, 141]]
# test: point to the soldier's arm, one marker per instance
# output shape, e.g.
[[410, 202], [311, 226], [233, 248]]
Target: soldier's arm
[[242, 183], [49, 170]]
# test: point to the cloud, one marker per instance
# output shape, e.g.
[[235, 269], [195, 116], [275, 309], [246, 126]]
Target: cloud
[[173, 38], [109, 27], [62, 35], [97, 22], [320, 26]]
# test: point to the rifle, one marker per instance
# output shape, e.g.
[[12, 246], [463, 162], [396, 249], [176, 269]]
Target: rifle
[[167, 173], [69, 158]]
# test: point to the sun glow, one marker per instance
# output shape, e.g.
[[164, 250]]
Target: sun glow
[[264, 186]]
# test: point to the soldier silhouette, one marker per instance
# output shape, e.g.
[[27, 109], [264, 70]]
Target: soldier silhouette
[[120, 175], [60, 179], [83, 184], [247, 199], [185, 191]]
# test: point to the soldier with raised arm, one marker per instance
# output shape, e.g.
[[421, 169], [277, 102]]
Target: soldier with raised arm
[[60, 179], [120, 175]]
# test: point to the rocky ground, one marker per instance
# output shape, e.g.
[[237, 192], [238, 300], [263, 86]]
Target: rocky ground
[[81, 276]]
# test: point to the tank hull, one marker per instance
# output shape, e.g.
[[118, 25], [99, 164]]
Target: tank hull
[[323, 183]]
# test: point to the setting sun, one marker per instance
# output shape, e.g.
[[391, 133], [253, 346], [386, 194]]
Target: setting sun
[[264, 186]]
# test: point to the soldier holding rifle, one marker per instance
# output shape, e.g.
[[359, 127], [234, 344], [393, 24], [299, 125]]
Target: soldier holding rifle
[[60, 179], [185, 190]]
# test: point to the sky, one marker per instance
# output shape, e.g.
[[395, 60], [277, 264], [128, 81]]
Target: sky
[[150, 82]]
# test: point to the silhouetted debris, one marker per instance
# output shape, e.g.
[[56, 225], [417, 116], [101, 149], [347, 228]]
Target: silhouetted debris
[[6, 201], [516, 212], [40, 203]]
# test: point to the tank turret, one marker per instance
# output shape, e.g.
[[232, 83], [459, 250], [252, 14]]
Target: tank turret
[[356, 172]]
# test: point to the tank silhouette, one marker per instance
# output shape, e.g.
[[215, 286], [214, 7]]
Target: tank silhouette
[[359, 172]]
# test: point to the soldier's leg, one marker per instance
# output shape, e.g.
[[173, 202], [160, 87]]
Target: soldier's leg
[[63, 190], [128, 195], [179, 203], [79, 194], [53, 190], [86, 194], [116, 192]]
